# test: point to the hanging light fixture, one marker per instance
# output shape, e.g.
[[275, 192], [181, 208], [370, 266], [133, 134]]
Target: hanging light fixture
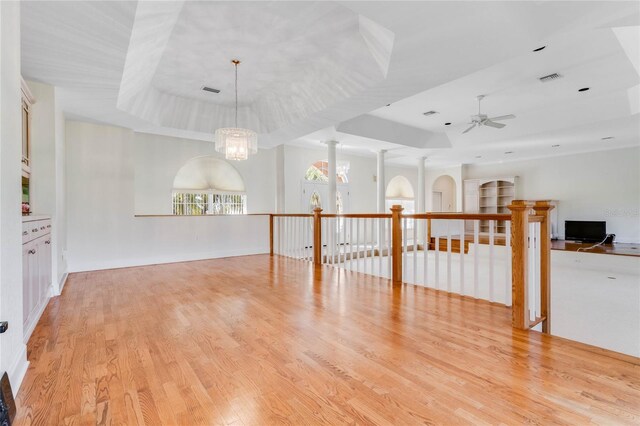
[[234, 142]]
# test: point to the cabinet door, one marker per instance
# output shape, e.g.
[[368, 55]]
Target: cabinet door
[[45, 268], [26, 280]]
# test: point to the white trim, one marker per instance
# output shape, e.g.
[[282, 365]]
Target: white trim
[[61, 283], [26, 92], [17, 370]]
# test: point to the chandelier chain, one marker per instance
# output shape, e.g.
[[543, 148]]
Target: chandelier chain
[[236, 67]]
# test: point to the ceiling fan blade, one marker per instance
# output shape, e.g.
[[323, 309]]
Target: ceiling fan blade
[[502, 117], [469, 129], [493, 124]]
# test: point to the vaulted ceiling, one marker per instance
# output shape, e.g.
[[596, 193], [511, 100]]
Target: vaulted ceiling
[[317, 70]]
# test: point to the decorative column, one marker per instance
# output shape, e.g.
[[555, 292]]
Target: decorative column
[[380, 196], [331, 171], [420, 198]]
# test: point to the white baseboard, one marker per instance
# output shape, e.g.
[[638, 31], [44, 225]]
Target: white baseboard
[[17, 370], [173, 258], [62, 282], [35, 317]]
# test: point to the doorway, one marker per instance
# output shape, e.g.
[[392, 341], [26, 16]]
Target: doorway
[[437, 201]]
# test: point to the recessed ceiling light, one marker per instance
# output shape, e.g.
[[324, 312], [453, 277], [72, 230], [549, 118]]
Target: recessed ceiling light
[[607, 138], [584, 89], [478, 156], [447, 124], [388, 104], [210, 89], [555, 146], [539, 49], [428, 113], [508, 152]]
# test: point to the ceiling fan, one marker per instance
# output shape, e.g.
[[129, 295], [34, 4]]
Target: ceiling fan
[[483, 120]]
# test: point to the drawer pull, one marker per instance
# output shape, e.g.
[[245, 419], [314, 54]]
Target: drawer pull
[[32, 251]]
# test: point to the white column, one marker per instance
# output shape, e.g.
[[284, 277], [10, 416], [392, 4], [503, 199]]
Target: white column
[[280, 179], [420, 198], [330, 205], [380, 200], [380, 180]]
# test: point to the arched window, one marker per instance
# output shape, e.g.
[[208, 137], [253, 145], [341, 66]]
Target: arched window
[[319, 171], [208, 185]]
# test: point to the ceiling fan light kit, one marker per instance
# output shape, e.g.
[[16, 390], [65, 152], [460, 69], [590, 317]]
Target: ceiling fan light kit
[[483, 120], [236, 143]]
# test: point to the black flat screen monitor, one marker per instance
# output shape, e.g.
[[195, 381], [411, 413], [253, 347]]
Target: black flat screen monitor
[[586, 231]]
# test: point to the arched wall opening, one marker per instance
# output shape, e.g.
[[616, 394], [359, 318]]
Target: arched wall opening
[[400, 191], [443, 194], [208, 185]]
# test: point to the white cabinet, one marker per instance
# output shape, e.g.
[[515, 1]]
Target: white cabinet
[[36, 270]]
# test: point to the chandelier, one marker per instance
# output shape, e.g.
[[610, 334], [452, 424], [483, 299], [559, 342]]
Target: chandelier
[[234, 142]]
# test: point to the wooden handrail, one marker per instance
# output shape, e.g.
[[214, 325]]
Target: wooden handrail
[[458, 216], [292, 215], [542, 208], [359, 215]]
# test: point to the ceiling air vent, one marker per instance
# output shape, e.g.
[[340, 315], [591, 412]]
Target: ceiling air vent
[[210, 89], [428, 113], [550, 77]]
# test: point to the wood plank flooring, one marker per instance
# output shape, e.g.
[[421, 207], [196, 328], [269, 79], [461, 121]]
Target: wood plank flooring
[[257, 340]]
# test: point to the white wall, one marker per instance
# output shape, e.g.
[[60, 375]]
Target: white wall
[[47, 171], [102, 230], [157, 159], [601, 185], [13, 357], [447, 187]]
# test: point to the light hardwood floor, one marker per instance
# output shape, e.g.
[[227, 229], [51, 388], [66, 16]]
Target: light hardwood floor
[[258, 340]]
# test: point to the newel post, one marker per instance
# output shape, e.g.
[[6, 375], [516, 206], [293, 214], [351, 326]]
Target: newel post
[[270, 235], [519, 245], [542, 208], [396, 243], [317, 236]]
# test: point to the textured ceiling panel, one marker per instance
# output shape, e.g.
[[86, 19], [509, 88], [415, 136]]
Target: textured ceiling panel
[[297, 59]]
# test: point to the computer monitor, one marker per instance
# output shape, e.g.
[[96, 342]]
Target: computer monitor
[[585, 231]]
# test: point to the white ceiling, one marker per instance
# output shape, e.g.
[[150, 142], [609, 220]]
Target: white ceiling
[[310, 63]]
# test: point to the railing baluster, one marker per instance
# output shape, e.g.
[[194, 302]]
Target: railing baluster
[[462, 245], [425, 251], [437, 260], [380, 228], [405, 244], [476, 279], [448, 255], [372, 236], [532, 272], [389, 257], [358, 245], [415, 251], [491, 238], [507, 264]]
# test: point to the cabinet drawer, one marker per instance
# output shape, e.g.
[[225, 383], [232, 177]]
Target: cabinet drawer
[[34, 229]]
